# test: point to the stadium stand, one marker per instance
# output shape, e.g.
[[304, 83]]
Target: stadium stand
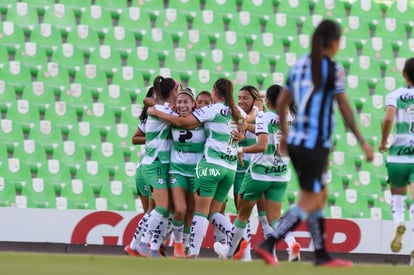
[[73, 74]]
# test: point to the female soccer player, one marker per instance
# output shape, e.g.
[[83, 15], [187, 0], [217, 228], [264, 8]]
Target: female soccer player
[[314, 83], [400, 160], [203, 99], [215, 172], [155, 164]]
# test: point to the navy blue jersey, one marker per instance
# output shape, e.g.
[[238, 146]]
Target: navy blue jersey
[[314, 121]]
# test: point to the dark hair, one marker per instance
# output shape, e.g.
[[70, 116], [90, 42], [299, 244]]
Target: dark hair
[[224, 88], [252, 91], [206, 93], [143, 116], [163, 87], [326, 32], [409, 69], [272, 95]]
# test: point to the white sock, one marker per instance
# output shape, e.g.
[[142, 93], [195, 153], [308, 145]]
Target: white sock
[[289, 239], [141, 228], [397, 208], [178, 229], [247, 255], [235, 238], [412, 222], [158, 234], [198, 230], [219, 236], [153, 222], [222, 223]]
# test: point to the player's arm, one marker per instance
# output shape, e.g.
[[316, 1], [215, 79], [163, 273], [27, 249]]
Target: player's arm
[[188, 122], [283, 102], [258, 147], [138, 137], [387, 122]]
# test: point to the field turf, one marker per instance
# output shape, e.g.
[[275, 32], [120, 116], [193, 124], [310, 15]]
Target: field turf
[[72, 264]]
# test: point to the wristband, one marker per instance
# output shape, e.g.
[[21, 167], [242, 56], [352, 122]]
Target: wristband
[[240, 150], [256, 108]]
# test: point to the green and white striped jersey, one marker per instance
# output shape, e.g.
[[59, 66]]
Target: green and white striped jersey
[[220, 148], [187, 150], [158, 141], [402, 149], [269, 165], [250, 139]]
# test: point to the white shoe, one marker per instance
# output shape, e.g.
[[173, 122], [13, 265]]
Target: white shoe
[[294, 253], [396, 243], [221, 250]]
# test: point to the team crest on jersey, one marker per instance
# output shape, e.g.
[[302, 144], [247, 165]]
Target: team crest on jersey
[[173, 180], [160, 181]]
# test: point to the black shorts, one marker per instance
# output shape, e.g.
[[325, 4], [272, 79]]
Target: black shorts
[[310, 165]]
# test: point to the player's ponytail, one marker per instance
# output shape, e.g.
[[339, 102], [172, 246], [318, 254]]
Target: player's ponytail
[[224, 88], [409, 70], [326, 32]]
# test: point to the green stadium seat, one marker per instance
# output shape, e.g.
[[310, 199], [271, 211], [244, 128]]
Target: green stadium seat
[[41, 5], [243, 78], [16, 75], [39, 194], [55, 173], [118, 196], [233, 44], [395, 68], [273, 78], [85, 135], [256, 63], [23, 113], [31, 56], [353, 205], [71, 154], [120, 137], [158, 40], [55, 76], [166, 72], [23, 15], [216, 60], [173, 22], [10, 134], [126, 173], [296, 9], [196, 43], [100, 116], [30, 152], [69, 57], [46, 134], [356, 29], [60, 16], [11, 36], [114, 7], [98, 19], [135, 20], [188, 8], [306, 25], [7, 96], [357, 88], [258, 8], [226, 9], [4, 56], [62, 115], [402, 10], [365, 66], [207, 23], [407, 49], [286, 28], [385, 85], [375, 106], [269, 46], [108, 155], [348, 52], [130, 80], [5, 5], [286, 60], [330, 9], [92, 79], [182, 62], [17, 173], [367, 8], [144, 60], [115, 98], [78, 6], [46, 36], [39, 95], [300, 44], [121, 40], [246, 25], [77, 195], [131, 115], [106, 59], [7, 193], [202, 80], [84, 38], [392, 31], [94, 174]]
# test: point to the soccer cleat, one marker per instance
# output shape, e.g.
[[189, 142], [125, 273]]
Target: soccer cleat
[[264, 251], [163, 251], [220, 249], [333, 263], [412, 258], [239, 254], [131, 252], [143, 249], [396, 243], [294, 253], [179, 250], [154, 254]]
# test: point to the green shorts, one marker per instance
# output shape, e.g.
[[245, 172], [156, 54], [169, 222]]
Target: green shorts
[[156, 174], [400, 174], [177, 180], [238, 182], [212, 180], [142, 188], [252, 190]]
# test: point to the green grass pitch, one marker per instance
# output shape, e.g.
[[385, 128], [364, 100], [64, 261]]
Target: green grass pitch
[[71, 264]]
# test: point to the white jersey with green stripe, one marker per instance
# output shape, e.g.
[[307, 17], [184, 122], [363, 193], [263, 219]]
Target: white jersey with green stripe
[[187, 150], [158, 141], [269, 165], [141, 127], [402, 149], [220, 147], [250, 139]]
